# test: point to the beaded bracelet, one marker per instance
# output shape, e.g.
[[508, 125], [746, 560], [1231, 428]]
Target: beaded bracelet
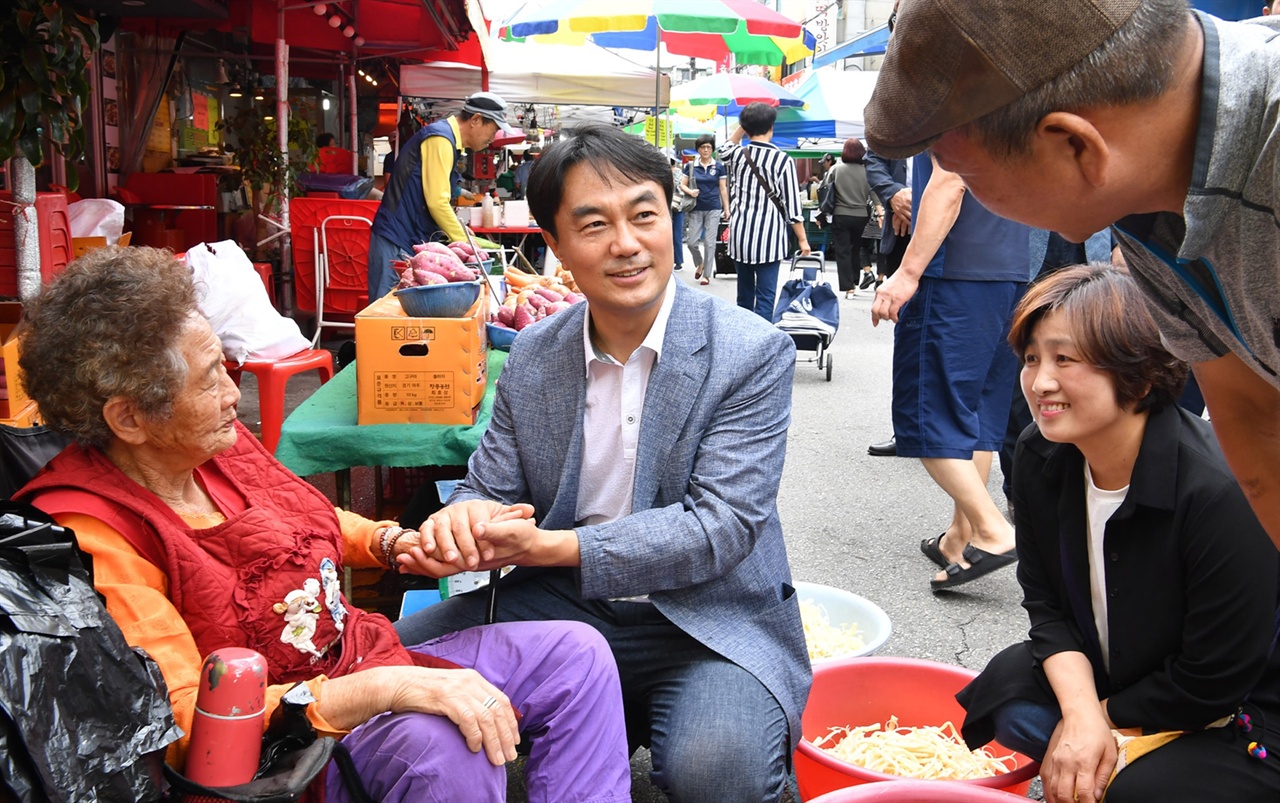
[[389, 537]]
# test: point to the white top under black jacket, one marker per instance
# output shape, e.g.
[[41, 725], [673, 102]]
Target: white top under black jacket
[[757, 230]]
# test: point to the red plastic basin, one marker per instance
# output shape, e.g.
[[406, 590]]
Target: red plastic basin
[[911, 791], [863, 691]]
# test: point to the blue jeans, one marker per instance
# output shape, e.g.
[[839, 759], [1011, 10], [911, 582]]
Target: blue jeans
[[1026, 726], [677, 236], [715, 731], [382, 279], [758, 287]]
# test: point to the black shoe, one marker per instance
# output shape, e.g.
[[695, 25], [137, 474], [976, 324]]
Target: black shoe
[[867, 279], [679, 266], [887, 449]]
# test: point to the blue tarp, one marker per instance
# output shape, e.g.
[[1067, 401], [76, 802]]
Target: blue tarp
[[867, 43]]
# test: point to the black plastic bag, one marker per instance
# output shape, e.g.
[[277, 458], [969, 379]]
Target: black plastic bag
[[83, 717]]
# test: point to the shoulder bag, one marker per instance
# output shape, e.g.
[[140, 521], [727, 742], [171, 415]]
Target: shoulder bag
[[680, 201], [768, 188]]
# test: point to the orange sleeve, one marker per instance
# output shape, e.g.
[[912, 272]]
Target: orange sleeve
[[361, 547], [137, 597]]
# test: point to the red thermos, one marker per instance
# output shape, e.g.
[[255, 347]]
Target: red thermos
[[226, 729]]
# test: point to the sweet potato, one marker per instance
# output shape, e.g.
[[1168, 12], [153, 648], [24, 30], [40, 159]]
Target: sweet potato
[[423, 276], [575, 298], [437, 248], [557, 306], [536, 301], [525, 315], [548, 294], [506, 316]]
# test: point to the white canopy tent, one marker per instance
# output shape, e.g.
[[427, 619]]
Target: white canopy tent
[[585, 75]]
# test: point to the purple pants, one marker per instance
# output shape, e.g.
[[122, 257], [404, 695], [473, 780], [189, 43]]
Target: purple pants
[[559, 675]]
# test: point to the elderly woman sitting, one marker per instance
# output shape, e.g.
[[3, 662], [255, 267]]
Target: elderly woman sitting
[[199, 538]]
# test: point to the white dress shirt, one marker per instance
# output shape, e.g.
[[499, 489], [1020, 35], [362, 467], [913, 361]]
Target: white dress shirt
[[611, 422]]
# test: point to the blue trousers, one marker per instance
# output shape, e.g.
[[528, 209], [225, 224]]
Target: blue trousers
[[382, 279], [716, 733], [757, 287], [558, 675], [677, 236]]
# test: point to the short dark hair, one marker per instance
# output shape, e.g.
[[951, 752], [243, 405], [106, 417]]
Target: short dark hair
[[1109, 322], [705, 139], [757, 118], [107, 326], [609, 151], [853, 151], [324, 140]]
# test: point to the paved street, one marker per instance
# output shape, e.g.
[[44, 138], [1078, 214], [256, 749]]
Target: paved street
[[851, 520]]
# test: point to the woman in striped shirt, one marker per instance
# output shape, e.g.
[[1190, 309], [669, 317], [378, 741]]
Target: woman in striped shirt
[[757, 222]]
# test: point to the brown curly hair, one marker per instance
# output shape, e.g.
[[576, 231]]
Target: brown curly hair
[[107, 326]]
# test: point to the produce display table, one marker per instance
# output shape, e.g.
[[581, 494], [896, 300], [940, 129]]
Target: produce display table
[[322, 434], [503, 234]]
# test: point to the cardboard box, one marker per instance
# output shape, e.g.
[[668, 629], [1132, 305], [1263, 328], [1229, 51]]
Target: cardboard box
[[15, 401], [27, 416], [420, 370]]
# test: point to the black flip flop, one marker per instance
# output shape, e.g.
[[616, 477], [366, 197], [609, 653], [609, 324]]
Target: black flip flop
[[980, 562], [931, 548]]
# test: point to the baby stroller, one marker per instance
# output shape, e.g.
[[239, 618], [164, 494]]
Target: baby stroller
[[808, 309]]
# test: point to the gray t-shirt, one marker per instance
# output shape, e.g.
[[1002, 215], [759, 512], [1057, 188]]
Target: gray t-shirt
[[1213, 274]]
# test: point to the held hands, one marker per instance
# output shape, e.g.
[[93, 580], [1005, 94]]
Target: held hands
[[447, 542], [1079, 761], [896, 291]]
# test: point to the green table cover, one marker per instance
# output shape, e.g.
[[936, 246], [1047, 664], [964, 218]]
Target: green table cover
[[322, 435]]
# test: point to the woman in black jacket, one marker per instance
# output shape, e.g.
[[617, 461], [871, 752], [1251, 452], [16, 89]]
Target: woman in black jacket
[[1150, 585]]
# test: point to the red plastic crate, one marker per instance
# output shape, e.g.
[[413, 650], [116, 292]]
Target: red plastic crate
[[55, 239], [348, 289]]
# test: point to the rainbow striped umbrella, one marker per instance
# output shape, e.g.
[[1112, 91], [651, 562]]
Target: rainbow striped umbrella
[[708, 29], [727, 93]]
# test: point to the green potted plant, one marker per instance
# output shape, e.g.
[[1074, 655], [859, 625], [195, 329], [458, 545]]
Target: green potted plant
[[258, 156], [44, 58]]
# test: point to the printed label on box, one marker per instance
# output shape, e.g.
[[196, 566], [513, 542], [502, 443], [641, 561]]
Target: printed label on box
[[413, 333], [413, 390]]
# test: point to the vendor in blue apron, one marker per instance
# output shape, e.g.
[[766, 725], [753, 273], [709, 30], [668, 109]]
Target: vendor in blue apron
[[416, 201]]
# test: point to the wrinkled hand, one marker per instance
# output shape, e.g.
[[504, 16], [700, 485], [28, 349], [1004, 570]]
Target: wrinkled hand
[[901, 204], [897, 290], [1079, 761], [447, 541], [460, 694], [901, 226]]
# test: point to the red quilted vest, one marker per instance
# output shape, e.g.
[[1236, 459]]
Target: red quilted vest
[[226, 581]]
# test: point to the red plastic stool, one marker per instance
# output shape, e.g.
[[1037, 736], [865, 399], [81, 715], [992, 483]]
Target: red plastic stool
[[272, 376], [263, 269]]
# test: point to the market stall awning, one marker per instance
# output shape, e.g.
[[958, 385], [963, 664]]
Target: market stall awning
[[867, 43], [547, 74]]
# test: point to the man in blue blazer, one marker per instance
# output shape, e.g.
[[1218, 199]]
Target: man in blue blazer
[[631, 472]]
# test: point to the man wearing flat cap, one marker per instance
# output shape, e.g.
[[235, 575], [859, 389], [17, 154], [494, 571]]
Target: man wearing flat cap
[[1141, 115], [416, 202]]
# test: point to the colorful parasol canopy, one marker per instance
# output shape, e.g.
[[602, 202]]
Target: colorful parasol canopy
[[708, 29], [728, 93]]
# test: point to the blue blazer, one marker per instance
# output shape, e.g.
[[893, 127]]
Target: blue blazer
[[703, 539], [886, 177]]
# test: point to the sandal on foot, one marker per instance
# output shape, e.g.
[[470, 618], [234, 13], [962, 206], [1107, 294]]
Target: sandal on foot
[[980, 562], [931, 548]]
